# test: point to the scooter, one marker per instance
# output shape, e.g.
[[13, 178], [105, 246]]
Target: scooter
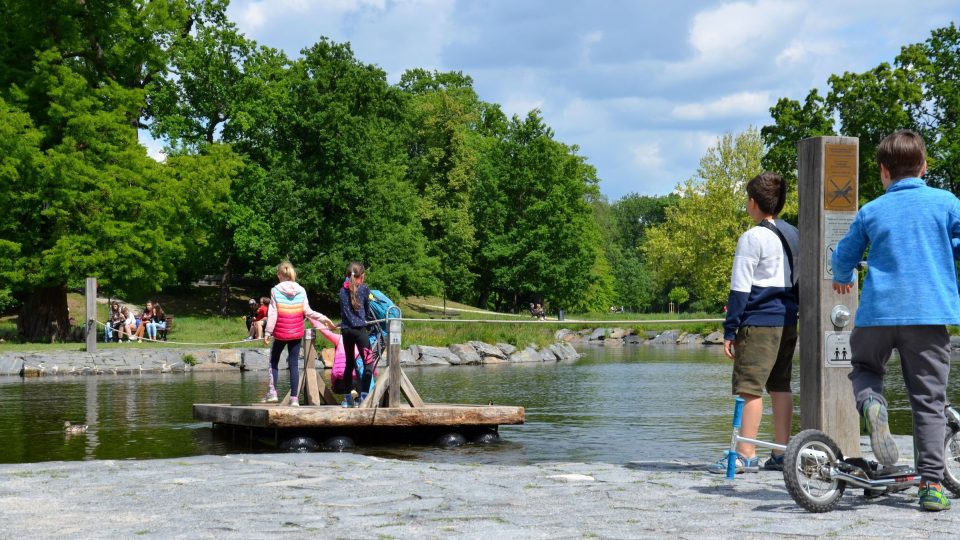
[[816, 473]]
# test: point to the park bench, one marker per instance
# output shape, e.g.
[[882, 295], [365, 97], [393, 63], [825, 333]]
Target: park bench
[[162, 333]]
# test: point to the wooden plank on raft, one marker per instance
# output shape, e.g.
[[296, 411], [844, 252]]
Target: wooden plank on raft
[[409, 391], [274, 416]]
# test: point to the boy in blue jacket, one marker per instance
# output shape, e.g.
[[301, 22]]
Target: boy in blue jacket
[[909, 296]]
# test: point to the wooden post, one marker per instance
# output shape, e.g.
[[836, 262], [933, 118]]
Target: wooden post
[[312, 390], [394, 327], [827, 173], [91, 315]]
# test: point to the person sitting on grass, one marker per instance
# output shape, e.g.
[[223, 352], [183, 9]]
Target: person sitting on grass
[[760, 330]]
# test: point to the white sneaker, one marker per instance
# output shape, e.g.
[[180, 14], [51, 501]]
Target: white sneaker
[[271, 397], [294, 402]]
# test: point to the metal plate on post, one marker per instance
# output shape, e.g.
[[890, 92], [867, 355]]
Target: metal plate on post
[[835, 227], [395, 327], [836, 349]]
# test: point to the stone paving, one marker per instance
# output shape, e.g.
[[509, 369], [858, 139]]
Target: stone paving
[[355, 496]]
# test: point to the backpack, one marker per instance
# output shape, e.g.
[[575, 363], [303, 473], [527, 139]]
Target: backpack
[[381, 307]]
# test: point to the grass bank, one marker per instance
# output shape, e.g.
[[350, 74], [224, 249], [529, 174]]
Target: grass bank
[[196, 323]]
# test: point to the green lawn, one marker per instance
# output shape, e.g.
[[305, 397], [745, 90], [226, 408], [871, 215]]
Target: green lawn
[[195, 322]]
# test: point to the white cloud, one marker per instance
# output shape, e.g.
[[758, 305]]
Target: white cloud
[[750, 104], [647, 155], [733, 31], [520, 106]]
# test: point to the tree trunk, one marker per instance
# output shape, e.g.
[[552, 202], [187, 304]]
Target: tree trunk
[[44, 316], [225, 287]]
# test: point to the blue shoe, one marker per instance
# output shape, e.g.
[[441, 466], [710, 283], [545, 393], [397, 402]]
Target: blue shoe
[[348, 402], [744, 465]]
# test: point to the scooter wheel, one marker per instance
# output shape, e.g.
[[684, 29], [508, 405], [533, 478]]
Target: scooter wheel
[[951, 460], [806, 471]]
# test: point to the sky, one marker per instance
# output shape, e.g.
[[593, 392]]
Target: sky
[[643, 87]]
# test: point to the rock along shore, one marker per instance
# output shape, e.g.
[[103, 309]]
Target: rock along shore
[[118, 360], [355, 496]]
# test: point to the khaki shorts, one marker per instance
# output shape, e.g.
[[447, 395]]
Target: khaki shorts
[[764, 359]]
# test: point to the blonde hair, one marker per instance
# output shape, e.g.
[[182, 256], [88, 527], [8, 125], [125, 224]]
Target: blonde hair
[[286, 272]]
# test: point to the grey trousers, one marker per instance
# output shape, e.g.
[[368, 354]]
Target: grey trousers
[[925, 359]]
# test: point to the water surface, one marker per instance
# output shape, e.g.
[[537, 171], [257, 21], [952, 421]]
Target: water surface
[[615, 405]]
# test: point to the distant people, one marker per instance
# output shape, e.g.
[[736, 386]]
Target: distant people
[[129, 323], [909, 296], [285, 316], [539, 313], [259, 320], [145, 317], [157, 322], [354, 306], [533, 310], [114, 323], [252, 306], [760, 330]]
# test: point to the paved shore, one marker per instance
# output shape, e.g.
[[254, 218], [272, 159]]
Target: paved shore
[[355, 496]]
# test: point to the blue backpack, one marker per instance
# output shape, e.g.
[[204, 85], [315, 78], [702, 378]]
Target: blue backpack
[[381, 307]]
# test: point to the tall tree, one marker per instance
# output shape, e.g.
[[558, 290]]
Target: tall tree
[[694, 247], [94, 203], [546, 242], [443, 107]]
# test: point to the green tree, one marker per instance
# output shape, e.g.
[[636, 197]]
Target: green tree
[[337, 187], [542, 240], [93, 203], [443, 108], [679, 296], [694, 247]]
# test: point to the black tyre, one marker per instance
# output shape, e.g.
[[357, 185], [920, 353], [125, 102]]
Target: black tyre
[[806, 464], [951, 460]]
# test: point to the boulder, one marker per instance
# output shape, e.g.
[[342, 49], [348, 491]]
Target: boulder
[[547, 355], [527, 355], [714, 338], [466, 353], [437, 355], [406, 358], [689, 339], [494, 360], [507, 348], [667, 338], [430, 360], [650, 334], [485, 349], [634, 340], [598, 335], [573, 338], [955, 342], [564, 352], [617, 333], [584, 332], [561, 334]]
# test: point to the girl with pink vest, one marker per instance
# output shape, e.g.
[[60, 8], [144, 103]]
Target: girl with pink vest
[[285, 316]]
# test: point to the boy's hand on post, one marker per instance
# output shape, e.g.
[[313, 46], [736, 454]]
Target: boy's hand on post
[[842, 288], [266, 340], [729, 347]]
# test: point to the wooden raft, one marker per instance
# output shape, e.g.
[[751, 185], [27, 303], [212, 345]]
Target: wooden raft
[[319, 408]]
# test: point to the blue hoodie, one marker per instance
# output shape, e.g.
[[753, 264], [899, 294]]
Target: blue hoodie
[[912, 231]]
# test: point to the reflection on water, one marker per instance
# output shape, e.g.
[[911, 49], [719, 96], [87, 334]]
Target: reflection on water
[[617, 404]]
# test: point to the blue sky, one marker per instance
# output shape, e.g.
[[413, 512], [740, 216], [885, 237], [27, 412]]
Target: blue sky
[[643, 87]]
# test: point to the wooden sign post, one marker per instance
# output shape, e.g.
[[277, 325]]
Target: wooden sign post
[[91, 315], [827, 187]]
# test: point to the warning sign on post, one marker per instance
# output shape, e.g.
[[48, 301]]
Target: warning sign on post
[[840, 177], [835, 227], [836, 349]]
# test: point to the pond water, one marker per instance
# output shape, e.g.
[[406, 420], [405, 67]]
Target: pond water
[[616, 404]]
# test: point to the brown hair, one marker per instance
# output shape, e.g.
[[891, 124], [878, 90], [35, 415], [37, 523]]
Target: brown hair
[[355, 271], [769, 191], [903, 153], [158, 311], [264, 300]]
